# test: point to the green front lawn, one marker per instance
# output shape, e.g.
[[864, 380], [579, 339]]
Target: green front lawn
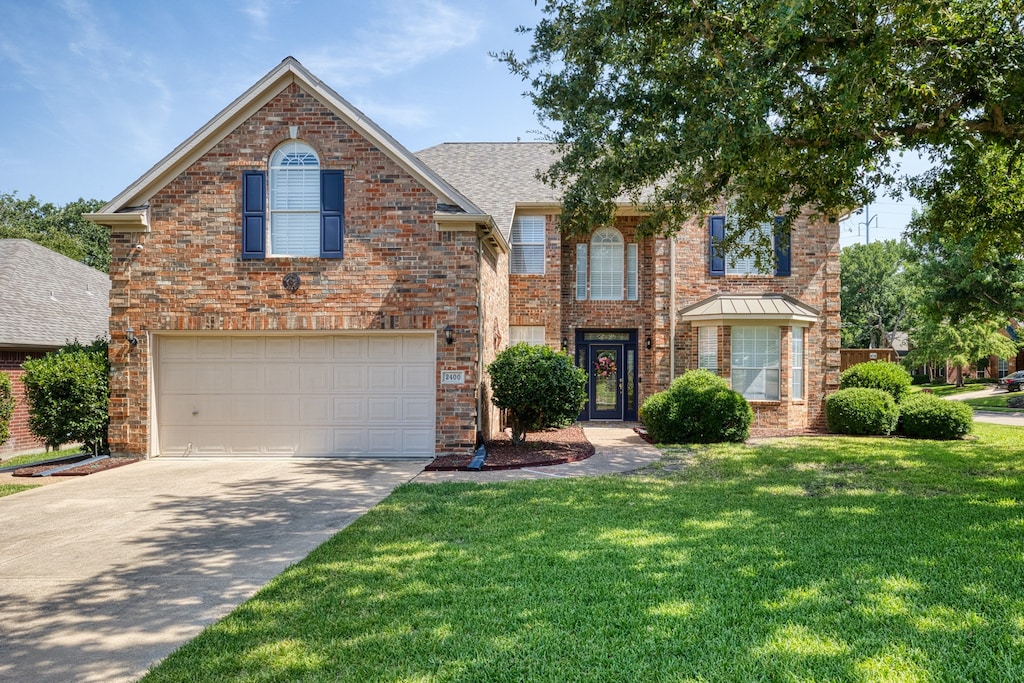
[[810, 559], [949, 389], [997, 402]]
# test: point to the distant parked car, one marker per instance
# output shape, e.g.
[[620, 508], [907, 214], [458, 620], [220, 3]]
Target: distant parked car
[[1013, 381]]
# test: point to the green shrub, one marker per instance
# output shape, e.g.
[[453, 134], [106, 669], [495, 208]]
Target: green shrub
[[1015, 402], [891, 378], [917, 380], [926, 416], [6, 407], [698, 407], [860, 410], [67, 392], [539, 387]]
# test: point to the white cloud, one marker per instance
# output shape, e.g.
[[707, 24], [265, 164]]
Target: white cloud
[[402, 39]]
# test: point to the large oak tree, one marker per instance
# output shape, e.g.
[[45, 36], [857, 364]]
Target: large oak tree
[[780, 106]]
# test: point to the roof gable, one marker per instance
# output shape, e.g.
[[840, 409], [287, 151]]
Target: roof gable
[[286, 73], [48, 299]]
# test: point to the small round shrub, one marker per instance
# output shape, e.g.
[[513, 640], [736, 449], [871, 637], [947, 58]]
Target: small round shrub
[[1015, 402], [861, 411], [698, 407], [891, 378], [926, 416], [918, 380], [6, 407]]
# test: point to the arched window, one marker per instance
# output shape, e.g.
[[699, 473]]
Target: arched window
[[294, 200], [606, 265]]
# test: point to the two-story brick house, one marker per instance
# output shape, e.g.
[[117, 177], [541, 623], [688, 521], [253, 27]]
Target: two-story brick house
[[292, 280]]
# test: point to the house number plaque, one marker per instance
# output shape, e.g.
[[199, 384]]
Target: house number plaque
[[453, 377]]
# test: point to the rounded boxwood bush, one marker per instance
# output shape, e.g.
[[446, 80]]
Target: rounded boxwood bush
[[861, 411], [698, 407], [892, 378], [926, 416]]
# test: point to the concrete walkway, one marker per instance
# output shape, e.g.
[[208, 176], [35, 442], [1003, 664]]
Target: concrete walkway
[[617, 448], [103, 576]]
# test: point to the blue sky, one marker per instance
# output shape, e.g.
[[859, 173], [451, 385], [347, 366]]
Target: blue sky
[[94, 92]]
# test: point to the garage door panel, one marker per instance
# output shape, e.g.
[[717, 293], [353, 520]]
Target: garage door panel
[[247, 378], [422, 349], [384, 348], [213, 348], [417, 377], [247, 348], [379, 377], [351, 409], [315, 379], [342, 394]]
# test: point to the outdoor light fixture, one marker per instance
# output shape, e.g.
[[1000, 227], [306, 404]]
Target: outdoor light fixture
[[449, 334], [130, 337], [647, 344], [565, 344]]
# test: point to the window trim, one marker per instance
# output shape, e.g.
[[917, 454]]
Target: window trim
[[279, 200], [797, 371]]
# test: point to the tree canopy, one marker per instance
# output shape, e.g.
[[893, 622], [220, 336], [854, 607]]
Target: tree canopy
[[778, 106], [60, 228], [879, 293]]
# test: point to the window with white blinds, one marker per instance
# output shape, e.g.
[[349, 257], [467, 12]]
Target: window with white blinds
[[528, 245], [632, 272], [707, 349], [530, 334], [581, 272], [747, 265], [797, 358], [606, 265], [294, 201], [755, 362]]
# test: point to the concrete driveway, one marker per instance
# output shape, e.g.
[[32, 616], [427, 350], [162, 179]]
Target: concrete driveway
[[1015, 419], [103, 576]]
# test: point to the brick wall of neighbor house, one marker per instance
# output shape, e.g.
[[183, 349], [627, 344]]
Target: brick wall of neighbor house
[[21, 439], [399, 272]]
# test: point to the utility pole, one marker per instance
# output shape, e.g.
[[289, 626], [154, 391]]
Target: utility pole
[[867, 224]]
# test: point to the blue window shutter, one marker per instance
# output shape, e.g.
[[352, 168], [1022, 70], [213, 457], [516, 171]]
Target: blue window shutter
[[332, 214], [716, 260], [254, 214], [783, 245]]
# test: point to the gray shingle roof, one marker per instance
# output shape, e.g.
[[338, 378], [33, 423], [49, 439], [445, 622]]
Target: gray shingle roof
[[495, 175], [48, 299]]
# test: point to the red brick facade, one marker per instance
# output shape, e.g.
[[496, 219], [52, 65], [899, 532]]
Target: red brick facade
[[400, 271], [674, 274], [21, 439]]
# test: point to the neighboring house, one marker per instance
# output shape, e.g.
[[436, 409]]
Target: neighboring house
[[300, 283], [46, 300]]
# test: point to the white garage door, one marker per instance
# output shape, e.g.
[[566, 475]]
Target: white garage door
[[355, 395]]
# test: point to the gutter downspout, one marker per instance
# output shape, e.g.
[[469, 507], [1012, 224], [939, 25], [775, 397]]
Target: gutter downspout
[[672, 308], [479, 337]]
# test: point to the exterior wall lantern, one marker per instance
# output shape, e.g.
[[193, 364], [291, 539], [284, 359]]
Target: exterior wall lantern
[[129, 336], [565, 344], [449, 334], [647, 344]]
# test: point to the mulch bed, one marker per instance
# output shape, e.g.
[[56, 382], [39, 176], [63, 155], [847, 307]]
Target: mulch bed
[[80, 471], [548, 447]]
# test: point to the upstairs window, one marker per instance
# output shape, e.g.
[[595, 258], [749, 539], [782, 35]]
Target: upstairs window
[[719, 265], [613, 268], [528, 245], [302, 212], [294, 201]]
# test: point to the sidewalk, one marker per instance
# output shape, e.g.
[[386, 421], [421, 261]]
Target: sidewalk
[[617, 449], [1015, 419]]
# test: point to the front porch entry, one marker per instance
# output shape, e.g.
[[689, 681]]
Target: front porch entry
[[609, 357]]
